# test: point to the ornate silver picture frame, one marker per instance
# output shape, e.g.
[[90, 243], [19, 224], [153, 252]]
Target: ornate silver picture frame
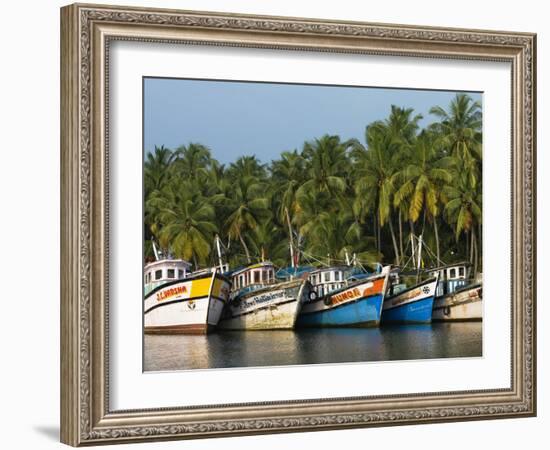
[[87, 32]]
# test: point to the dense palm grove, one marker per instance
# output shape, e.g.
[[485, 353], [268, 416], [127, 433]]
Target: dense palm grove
[[328, 199]]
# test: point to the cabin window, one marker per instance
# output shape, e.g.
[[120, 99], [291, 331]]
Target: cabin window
[[453, 273], [147, 277], [158, 274], [327, 276], [181, 273], [241, 281], [256, 276], [461, 271], [171, 273], [338, 276]]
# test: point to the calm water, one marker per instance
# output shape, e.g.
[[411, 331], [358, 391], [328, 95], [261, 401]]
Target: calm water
[[312, 346]]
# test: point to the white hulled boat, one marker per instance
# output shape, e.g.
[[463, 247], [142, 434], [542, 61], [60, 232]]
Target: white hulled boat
[[457, 297], [258, 302], [177, 301]]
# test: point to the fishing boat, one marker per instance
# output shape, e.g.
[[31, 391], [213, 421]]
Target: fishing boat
[[259, 302], [181, 302], [340, 300], [413, 304], [457, 297]]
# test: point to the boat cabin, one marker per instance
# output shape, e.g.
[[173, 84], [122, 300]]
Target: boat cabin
[[451, 278], [163, 271], [255, 275], [327, 280]]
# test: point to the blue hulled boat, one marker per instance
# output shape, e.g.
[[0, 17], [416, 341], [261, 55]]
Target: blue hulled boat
[[341, 299], [410, 304]]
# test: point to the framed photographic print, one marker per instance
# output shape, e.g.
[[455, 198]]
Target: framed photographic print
[[276, 224]]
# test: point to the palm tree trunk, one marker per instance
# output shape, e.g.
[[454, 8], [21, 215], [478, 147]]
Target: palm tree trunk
[[471, 253], [423, 221], [243, 243], [394, 240], [375, 229], [402, 255], [480, 248], [436, 232], [474, 249], [377, 236]]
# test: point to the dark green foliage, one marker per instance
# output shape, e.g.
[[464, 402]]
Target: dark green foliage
[[331, 199]]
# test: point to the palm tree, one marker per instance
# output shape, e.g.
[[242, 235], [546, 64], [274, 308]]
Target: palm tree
[[460, 127], [287, 175], [246, 208], [461, 135], [192, 161], [420, 182], [338, 235], [269, 242], [310, 207], [327, 165], [156, 174], [463, 207], [187, 221], [156, 166], [402, 126], [247, 166], [375, 169]]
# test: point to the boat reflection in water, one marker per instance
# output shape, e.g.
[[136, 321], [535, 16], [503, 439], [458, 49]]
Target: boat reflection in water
[[224, 349]]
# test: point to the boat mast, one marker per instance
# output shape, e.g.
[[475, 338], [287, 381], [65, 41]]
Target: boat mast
[[292, 263], [412, 250], [155, 250], [219, 253], [347, 258], [419, 257]]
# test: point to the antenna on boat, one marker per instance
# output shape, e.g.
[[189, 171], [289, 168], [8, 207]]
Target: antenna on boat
[[419, 256], [219, 253], [155, 250], [413, 250], [291, 241]]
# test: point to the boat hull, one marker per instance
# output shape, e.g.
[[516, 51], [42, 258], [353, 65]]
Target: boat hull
[[189, 306], [270, 308], [357, 305], [465, 304], [411, 306]]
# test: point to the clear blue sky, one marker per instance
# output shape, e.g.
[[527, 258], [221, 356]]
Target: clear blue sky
[[263, 119]]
